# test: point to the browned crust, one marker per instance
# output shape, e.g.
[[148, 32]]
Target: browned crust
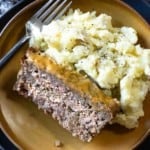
[[74, 80]]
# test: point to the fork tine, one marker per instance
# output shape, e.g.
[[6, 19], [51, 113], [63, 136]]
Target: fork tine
[[61, 12], [42, 9], [49, 10], [56, 12]]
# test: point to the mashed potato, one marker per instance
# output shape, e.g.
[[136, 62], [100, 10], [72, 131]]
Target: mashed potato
[[109, 55]]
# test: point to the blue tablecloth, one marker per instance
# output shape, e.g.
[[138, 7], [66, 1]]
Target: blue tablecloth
[[143, 7]]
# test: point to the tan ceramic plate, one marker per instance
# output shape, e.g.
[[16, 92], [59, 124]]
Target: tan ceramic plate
[[27, 126]]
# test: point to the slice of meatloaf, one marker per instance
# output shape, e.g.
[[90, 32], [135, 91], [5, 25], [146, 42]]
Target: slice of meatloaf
[[72, 98]]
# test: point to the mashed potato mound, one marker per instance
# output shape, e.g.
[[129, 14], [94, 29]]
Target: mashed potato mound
[[110, 55]]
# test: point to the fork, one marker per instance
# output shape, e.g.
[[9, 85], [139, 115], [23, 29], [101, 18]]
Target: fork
[[53, 9]]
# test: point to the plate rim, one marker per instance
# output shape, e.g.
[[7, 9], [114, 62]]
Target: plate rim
[[3, 124], [127, 6], [35, 2]]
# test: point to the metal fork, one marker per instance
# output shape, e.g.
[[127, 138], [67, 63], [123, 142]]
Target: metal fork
[[53, 9]]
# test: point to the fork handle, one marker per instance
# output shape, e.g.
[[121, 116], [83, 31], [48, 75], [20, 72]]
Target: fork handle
[[12, 51]]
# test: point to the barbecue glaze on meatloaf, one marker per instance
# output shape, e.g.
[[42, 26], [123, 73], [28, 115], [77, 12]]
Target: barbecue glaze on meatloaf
[[71, 97]]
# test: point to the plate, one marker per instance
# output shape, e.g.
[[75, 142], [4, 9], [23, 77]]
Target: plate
[[30, 128], [12, 11]]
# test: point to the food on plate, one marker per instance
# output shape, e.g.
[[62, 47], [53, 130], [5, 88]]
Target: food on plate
[[72, 98], [86, 73], [58, 143]]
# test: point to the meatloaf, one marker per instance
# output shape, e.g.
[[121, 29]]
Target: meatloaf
[[70, 97]]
